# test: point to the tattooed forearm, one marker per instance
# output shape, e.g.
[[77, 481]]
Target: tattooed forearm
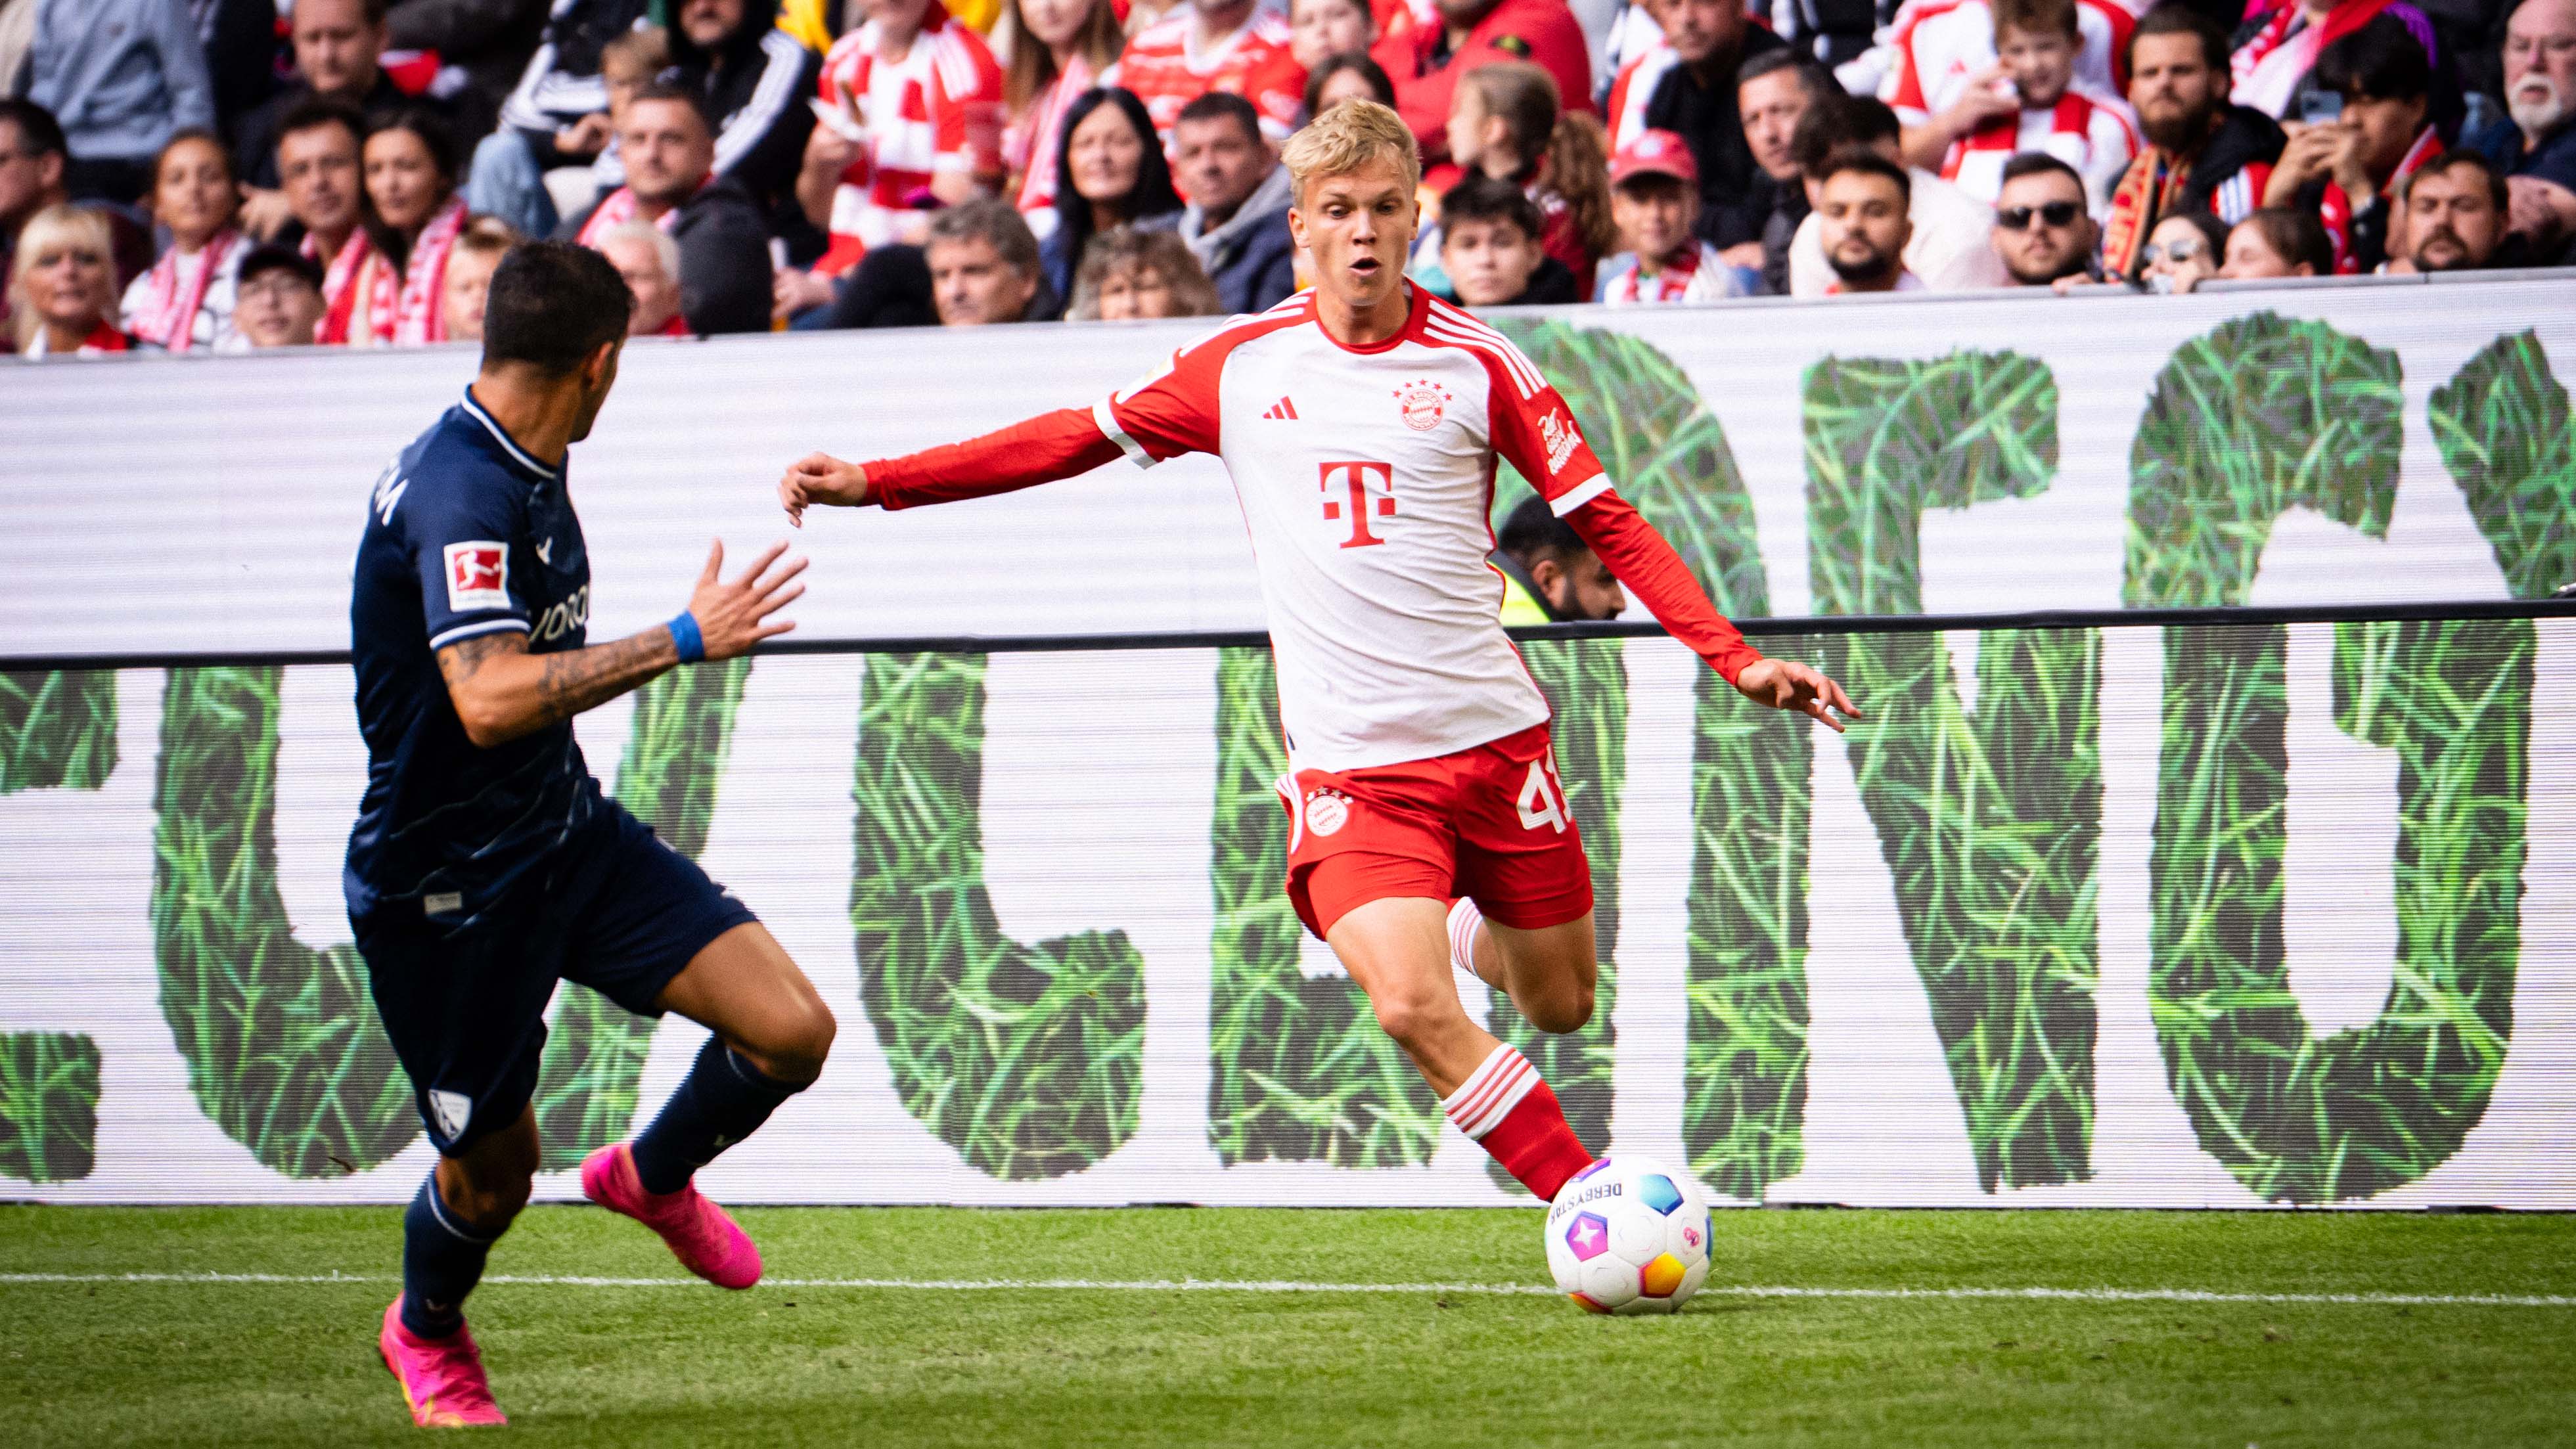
[[582, 679], [501, 691]]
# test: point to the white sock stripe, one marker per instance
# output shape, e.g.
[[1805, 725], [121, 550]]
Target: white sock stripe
[[438, 1211], [1490, 1094], [1476, 1080], [1463, 920]]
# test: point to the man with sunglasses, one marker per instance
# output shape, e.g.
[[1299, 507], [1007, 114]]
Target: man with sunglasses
[[2042, 232]]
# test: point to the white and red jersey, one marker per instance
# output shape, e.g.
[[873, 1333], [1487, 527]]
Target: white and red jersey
[[1634, 87], [938, 109], [1029, 146], [2094, 134], [1165, 68], [1941, 43], [1694, 274], [1366, 479]]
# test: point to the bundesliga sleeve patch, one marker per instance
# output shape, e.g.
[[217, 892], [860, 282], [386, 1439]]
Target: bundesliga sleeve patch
[[478, 576]]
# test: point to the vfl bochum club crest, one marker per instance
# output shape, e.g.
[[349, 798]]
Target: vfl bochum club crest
[[1422, 402]]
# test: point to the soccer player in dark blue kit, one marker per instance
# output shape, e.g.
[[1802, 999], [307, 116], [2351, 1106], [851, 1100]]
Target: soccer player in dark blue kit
[[486, 864]]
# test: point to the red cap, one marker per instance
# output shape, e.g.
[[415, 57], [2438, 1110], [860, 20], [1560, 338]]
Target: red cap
[[1655, 153]]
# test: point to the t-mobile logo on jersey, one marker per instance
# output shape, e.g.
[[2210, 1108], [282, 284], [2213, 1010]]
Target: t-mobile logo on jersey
[[1370, 488]]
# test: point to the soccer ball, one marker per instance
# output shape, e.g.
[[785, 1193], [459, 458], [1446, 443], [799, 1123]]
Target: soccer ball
[[1629, 1235]]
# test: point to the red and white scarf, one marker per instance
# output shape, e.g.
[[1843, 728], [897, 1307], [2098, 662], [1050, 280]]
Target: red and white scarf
[[2335, 208], [622, 206], [171, 301], [339, 289], [404, 311], [2266, 70], [1029, 144]]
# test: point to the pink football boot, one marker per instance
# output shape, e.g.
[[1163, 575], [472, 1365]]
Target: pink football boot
[[442, 1378], [706, 1240]]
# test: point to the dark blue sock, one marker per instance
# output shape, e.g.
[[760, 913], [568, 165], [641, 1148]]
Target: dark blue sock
[[442, 1261], [722, 1100]]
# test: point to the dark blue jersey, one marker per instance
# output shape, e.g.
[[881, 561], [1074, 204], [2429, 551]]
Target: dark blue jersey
[[467, 535]]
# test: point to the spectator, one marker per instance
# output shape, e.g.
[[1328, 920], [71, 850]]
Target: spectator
[[2184, 250], [2042, 231], [1236, 223], [1506, 122], [1654, 195], [2277, 242], [1237, 46], [2536, 142], [2277, 47], [912, 103], [1059, 50], [1132, 276], [32, 163], [1773, 93], [1425, 60], [669, 148], [318, 148], [279, 299], [336, 43], [562, 112], [1695, 98], [754, 79], [488, 41], [2345, 170], [62, 286], [649, 260], [2032, 105], [413, 216], [1951, 247], [1347, 77], [1862, 198], [2204, 152], [122, 77], [983, 263], [1550, 575], [2455, 217], [468, 281], [186, 300], [1110, 171], [1490, 248], [1318, 30], [1947, 68]]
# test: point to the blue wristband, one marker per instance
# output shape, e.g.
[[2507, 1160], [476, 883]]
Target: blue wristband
[[684, 634]]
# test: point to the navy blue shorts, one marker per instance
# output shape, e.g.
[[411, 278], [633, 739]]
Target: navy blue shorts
[[465, 1005]]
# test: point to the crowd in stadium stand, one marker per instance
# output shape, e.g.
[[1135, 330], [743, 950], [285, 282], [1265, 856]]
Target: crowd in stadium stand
[[234, 174]]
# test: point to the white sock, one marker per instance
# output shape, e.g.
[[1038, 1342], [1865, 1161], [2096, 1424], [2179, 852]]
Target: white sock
[[1464, 918], [1490, 1093]]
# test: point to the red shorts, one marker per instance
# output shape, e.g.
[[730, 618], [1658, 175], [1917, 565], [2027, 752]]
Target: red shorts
[[1488, 822]]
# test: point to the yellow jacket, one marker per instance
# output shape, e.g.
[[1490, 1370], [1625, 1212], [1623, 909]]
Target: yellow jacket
[[810, 21]]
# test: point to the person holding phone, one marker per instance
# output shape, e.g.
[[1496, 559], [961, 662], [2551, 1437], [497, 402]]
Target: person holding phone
[[2365, 127]]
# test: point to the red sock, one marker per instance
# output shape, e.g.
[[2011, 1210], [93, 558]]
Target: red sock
[[1512, 1114]]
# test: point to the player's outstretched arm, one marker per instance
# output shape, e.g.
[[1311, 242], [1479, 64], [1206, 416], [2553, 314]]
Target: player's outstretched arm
[[502, 691], [1062, 444]]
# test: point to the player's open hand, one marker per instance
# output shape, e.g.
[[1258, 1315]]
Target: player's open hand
[[734, 614], [1786, 684], [820, 478]]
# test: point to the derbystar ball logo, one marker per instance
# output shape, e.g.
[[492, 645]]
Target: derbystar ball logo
[[1557, 430], [1423, 403], [1567, 1199], [478, 576]]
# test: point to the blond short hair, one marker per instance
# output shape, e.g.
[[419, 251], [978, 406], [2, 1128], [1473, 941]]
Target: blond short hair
[[1348, 137], [666, 252], [59, 228], [487, 236]]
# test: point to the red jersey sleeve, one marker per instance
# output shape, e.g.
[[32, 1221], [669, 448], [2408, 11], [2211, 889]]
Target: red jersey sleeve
[[1170, 413], [1065, 443], [964, 79]]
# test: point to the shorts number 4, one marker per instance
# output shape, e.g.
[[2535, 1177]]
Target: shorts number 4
[[1542, 801]]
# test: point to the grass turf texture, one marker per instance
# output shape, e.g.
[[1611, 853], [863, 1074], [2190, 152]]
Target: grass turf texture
[[92, 1363]]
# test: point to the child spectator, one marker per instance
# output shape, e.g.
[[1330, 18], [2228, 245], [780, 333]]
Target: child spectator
[[1110, 171], [1654, 195], [2347, 169], [468, 281], [1059, 49], [1318, 30], [414, 216], [186, 300], [280, 299], [649, 260], [1490, 248], [912, 112], [1347, 77], [1506, 122], [1946, 65], [1130, 276], [1216, 45], [2277, 242], [62, 286], [2034, 105]]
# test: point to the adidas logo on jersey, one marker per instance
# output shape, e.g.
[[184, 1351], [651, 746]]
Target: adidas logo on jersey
[[1283, 410]]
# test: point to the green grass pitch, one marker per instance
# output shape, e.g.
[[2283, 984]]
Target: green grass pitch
[[88, 1356]]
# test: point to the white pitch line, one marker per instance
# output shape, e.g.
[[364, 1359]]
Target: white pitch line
[[1280, 1285]]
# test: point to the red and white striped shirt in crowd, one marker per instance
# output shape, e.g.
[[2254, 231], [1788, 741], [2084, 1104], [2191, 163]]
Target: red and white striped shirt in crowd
[[1941, 43], [937, 109], [1029, 147], [2094, 134], [1695, 274], [1167, 71], [1632, 89]]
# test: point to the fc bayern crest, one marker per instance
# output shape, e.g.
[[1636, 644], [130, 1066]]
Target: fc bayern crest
[[1327, 811], [1423, 403]]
